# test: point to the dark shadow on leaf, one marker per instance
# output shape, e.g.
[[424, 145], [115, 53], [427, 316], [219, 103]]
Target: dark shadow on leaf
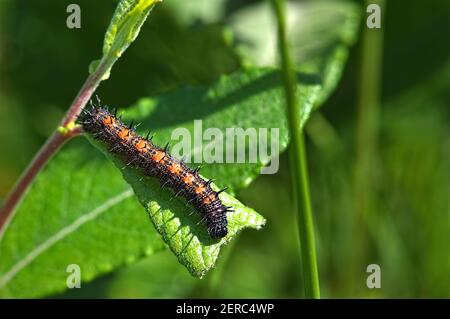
[[148, 190], [187, 244]]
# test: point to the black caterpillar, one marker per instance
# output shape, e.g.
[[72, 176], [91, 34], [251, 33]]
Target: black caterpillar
[[123, 141]]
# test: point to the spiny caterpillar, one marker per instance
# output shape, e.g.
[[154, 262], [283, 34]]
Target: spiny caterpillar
[[154, 161]]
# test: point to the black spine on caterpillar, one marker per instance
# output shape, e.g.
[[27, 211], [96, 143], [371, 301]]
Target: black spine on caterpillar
[[154, 161]]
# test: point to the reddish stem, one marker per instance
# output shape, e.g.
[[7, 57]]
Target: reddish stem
[[53, 144], [44, 154], [84, 95]]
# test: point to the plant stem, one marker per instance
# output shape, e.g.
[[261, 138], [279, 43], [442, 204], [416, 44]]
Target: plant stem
[[87, 90], [367, 131], [298, 163], [368, 110], [54, 142]]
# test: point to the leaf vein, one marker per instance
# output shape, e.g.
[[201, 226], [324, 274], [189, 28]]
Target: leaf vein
[[38, 250]]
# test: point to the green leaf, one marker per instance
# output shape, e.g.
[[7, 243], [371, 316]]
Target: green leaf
[[123, 29], [125, 25], [78, 211], [319, 33], [183, 232]]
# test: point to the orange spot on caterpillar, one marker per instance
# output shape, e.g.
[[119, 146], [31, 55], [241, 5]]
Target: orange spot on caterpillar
[[108, 121], [175, 168], [200, 189], [188, 179], [158, 156], [124, 133], [141, 145]]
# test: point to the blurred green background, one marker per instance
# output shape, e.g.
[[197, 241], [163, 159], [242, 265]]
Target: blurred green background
[[407, 226]]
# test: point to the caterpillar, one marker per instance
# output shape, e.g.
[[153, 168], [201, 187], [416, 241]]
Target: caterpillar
[[151, 160]]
